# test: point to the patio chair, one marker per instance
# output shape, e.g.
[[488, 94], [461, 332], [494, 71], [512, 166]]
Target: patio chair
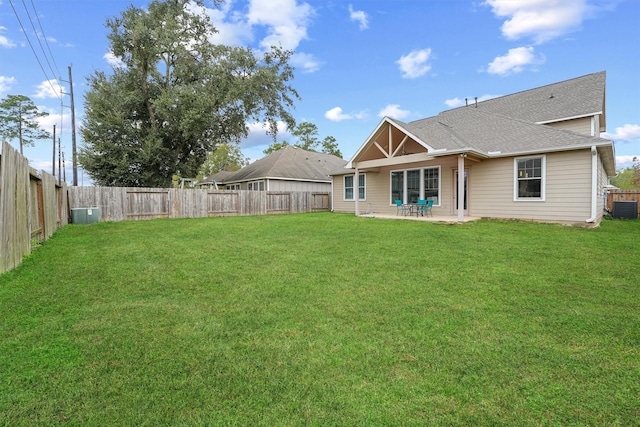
[[422, 206], [401, 207], [428, 208]]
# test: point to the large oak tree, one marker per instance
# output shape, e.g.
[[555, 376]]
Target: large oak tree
[[176, 96]]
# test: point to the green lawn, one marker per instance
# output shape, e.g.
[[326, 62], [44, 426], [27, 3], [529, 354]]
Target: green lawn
[[323, 319]]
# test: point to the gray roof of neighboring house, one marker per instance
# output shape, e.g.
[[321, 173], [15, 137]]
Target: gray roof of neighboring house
[[290, 162]]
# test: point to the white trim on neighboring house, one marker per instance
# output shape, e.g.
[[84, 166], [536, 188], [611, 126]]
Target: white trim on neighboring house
[[517, 179]]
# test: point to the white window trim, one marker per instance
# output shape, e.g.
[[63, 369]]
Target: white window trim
[[355, 188], [543, 183], [404, 183]]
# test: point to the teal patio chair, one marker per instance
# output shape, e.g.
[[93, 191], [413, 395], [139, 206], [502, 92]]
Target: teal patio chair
[[422, 206], [401, 208]]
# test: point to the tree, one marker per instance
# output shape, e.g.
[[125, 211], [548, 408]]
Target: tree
[[628, 178], [176, 96], [330, 146], [275, 147], [18, 120], [226, 157], [307, 134]]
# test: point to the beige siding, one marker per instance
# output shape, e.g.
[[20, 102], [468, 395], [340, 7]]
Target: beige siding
[[378, 191], [582, 125], [284, 185], [491, 189], [568, 189]]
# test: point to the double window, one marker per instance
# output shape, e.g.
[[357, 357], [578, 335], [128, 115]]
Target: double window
[[348, 187], [414, 184], [529, 181]]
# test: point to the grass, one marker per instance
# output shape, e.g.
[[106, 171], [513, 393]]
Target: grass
[[323, 319]]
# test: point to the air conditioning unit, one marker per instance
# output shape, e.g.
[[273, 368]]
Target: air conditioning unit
[[625, 209], [85, 215]]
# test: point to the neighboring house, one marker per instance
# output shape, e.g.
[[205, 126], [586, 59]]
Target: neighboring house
[[288, 169], [533, 155]]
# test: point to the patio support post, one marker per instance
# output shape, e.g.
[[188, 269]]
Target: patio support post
[[461, 188], [356, 190]]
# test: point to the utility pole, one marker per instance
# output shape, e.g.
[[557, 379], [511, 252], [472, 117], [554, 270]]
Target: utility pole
[[53, 168], [59, 162], [73, 133]]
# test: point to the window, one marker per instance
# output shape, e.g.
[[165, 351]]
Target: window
[[348, 187], [256, 186], [233, 187], [529, 178], [432, 185], [415, 184], [397, 186]]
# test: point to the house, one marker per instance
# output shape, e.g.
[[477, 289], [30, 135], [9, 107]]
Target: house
[[288, 169], [532, 155]]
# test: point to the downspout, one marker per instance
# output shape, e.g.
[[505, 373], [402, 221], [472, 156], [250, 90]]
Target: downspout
[[460, 183], [594, 184], [356, 191]]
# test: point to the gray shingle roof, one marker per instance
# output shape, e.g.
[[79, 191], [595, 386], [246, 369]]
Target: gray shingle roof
[[576, 97], [474, 129], [290, 162]]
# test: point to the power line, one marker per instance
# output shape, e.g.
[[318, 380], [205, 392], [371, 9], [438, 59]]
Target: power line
[[33, 50], [38, 37], [44, 36]]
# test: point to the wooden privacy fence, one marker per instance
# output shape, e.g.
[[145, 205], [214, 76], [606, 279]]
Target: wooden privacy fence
[[617, 195], [124, 203], [32, 206]]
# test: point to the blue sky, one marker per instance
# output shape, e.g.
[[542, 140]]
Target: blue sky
[[356, 61]]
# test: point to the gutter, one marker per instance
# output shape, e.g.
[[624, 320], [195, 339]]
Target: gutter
[[594, 184]]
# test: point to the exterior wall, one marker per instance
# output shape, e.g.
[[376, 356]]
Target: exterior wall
[[287, 185], [378, 190], [582, 125], [491, 189], [284, 185], [567, 192]]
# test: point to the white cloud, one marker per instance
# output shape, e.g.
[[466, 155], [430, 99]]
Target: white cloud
[[457, 102], [307, 62], [5, 84], [258, 135], [113, 60], [626, 161], [514, 61], [415, 63], [4, 41], [454, 102], [337, 115], [286, 21], [394, 111], [624, 133], [233, 28], [542, 20], [49, 89], [360, 17]]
